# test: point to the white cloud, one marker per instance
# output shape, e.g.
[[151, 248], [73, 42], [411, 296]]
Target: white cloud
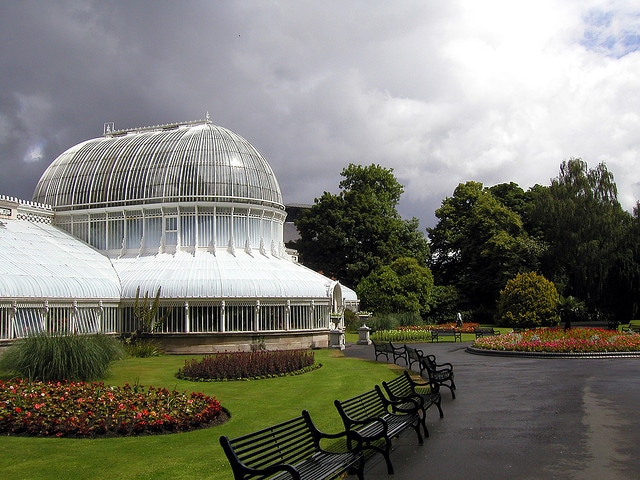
[[35, 153]]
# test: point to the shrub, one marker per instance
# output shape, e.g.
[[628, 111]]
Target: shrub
[[528, 300], [246, 365], [402, 286], [88, 410], [393, 321], [351, 321], [143, 349], [61, 357]]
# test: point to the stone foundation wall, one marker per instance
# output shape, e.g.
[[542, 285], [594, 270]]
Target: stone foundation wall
[[199, 344]]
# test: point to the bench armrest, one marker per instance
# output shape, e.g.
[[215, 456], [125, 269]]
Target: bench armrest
[[445, 365], [399, 405], [432, 386], [319, 435]]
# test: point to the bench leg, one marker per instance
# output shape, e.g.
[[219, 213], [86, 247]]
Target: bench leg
[[385, 451], [423, 421], [452, 388], [416, 427], [438, 404]]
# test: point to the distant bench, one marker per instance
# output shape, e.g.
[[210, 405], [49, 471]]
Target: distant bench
[[388, 348], [485, 332], [634, 326], [436, 333]]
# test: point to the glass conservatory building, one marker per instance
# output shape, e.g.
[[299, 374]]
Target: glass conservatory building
[[191, 210]]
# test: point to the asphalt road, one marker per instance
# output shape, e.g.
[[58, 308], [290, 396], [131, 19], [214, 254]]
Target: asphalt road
[[524, 418]]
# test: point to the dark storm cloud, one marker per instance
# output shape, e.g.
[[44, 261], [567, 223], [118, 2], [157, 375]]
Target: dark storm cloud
[[442, 92]]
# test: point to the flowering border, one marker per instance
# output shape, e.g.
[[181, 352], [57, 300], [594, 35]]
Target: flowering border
[[90, 410], [557, 342]]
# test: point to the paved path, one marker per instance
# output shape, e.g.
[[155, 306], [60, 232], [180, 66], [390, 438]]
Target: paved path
[[524, 418]]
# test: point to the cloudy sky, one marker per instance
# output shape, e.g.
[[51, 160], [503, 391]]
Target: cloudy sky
[[441, 91]]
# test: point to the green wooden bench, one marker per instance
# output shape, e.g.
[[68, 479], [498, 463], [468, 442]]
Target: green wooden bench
[[292, 449], [485, 332], [437, 333], [404, 388], [377, 419]]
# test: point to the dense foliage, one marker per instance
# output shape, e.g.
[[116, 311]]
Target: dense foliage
[[402, 286], [347, 236], [61, 357], [88, 410], [479, 243], [247, 365], [142, 348], [574, 232], [528, 300], [592, 253], [557, 340]]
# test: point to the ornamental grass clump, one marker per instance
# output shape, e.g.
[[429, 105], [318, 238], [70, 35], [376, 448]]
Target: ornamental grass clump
[[91, 410], [47, 357], [247, 365]]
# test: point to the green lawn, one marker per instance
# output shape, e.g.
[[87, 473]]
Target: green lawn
[[197, 454]]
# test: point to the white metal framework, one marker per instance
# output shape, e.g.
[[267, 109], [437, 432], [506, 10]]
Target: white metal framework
[[191, 209]]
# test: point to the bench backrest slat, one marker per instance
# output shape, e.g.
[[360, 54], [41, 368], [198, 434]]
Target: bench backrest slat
[[365, 405], [399, 386], [287, 442]]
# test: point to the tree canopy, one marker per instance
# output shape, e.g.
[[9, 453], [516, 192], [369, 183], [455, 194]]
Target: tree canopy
[[402, 286], [580, 219], [574, 232], [479, 243], [348, 235]]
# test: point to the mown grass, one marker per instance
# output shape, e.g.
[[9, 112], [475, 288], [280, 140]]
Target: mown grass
[[252, 404]]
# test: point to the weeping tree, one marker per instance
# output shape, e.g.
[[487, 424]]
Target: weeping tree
[[589, 255]]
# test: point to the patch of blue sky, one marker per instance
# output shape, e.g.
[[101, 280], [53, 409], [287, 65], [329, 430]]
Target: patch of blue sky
[[614, 34]]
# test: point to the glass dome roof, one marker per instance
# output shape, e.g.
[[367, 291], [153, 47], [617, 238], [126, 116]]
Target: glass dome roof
[[191, 162]]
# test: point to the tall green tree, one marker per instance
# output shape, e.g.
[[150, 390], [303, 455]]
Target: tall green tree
[[347, 236], [586, 229], [479, 243], [404, 286]]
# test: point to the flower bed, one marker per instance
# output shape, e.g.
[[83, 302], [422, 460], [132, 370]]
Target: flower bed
[[557, 340], [417, 333], [89, 410], [248, 365], [467, 327]]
